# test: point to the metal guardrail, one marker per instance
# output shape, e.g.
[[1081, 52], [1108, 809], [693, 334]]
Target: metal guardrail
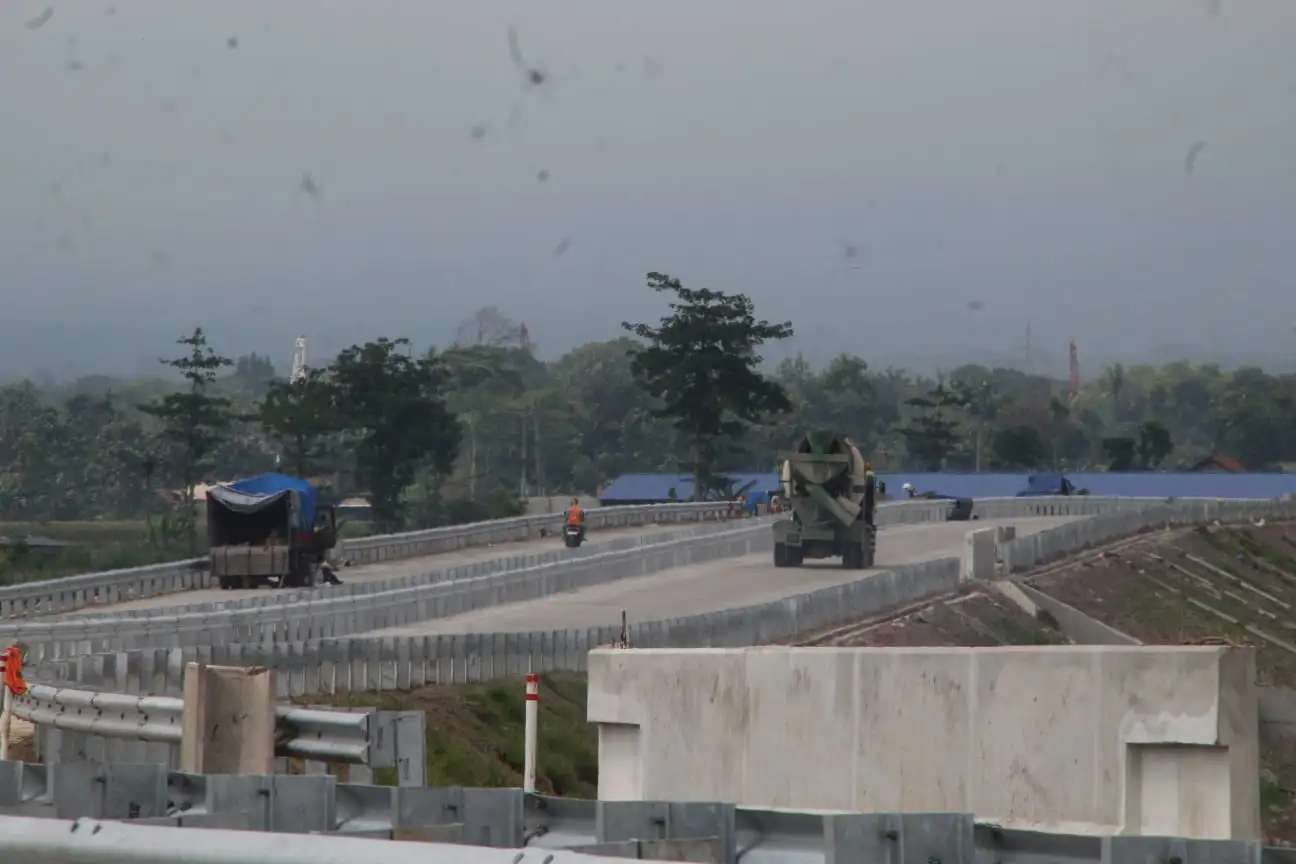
[[526, 828], [115, 586], [303, 733], [325, 736], [91, 842], [112, 715]]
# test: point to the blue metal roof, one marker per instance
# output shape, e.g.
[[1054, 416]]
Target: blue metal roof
[[1150, 485], [656, 487]]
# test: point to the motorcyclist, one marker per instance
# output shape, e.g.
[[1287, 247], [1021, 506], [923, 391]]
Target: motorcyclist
[[909, 490], [576, 517]]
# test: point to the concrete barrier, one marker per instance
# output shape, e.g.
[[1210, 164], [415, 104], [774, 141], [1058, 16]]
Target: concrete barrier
[[1139, 740], [115, 586], [71, 593], [1023, 553], [336, 616], [315, 615], [331, 662], [261, 600]]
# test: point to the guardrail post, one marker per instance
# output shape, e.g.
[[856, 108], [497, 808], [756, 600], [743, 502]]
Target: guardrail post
[[229, 720], [6, 716], [531, 718], [411, 748]]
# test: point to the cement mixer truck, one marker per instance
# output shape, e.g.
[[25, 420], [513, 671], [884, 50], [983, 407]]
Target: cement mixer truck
[[832, 495]]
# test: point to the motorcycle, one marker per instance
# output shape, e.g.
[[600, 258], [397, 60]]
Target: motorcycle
[[573, 536]]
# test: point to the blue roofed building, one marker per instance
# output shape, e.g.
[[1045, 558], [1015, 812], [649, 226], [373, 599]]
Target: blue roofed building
[[662, 488], [657, 488]]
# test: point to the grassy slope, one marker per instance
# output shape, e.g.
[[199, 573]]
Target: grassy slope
[[475, 733]]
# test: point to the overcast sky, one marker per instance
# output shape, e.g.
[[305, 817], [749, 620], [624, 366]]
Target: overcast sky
[[910, 181]]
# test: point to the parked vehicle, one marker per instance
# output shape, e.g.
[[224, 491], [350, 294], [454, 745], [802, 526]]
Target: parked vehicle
[[268, 530]]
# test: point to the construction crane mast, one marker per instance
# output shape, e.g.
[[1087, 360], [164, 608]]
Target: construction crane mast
[[299, 361], [1073, 379]]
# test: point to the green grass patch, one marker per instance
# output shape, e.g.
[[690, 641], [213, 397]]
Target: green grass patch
[[81, 531], [475, 733]]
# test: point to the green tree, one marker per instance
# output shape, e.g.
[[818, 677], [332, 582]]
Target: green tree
[[613, 422], [30, 434], [982, 400], [932, 434], [394, 406], [103, 449], [1154, 445], [253, 374], [1121, 452], [701, 363], [1019, 448], [299, 418], [193, 421], [486, 386]]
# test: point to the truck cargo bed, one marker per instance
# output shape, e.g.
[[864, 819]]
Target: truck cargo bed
[[250, 561]]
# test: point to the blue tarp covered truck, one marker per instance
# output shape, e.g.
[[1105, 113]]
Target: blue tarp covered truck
[[268, 530]]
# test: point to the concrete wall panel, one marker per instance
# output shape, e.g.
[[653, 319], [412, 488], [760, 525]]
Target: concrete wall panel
[[1034, 735], [1087, 739], [903, 740]]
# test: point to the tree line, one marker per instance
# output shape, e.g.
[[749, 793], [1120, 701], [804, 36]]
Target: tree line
[[471, 430]]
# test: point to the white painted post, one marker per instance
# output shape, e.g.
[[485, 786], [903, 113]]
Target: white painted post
[[532, 717], [6, 712]]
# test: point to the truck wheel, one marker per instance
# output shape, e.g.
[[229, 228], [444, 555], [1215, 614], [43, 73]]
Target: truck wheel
[[795, 556], [853, 557], [780, 555], [225, 582]]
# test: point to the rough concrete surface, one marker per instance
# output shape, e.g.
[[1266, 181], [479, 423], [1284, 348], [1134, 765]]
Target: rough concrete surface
[[710, 587], [1152, 740], [1234, 584], [390, 570]]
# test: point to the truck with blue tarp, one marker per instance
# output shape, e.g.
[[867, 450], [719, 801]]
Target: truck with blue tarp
[[268, 530]]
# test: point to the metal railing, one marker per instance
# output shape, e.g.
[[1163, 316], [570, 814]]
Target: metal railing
[[303, 733], [115, 586], [506, 822], [89, 842]]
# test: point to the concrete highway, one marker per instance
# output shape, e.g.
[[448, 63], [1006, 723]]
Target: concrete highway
[[390, 569], [713, 586]]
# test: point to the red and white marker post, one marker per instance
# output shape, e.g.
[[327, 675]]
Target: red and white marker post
[[6, 707], [532, 716]]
